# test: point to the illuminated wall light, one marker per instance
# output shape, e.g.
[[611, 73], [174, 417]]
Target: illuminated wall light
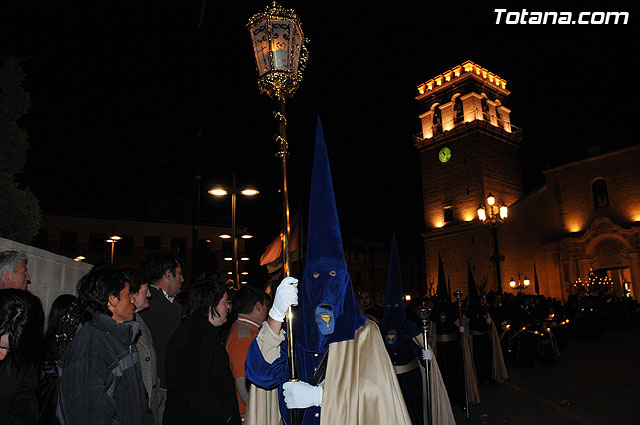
[[244, 259], [429, 84], [228, 259], [438, 223], [224, 236], [421, 88], [244, 273], [447, 76], [230, 273], [574, 227], [79, 258], [438, 80], [457, 70]]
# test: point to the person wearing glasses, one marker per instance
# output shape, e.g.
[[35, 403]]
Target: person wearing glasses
[[200, 386]]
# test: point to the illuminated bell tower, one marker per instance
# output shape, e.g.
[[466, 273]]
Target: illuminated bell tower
[[468, 149]]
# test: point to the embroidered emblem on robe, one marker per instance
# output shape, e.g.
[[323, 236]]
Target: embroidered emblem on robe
[[324, 319]]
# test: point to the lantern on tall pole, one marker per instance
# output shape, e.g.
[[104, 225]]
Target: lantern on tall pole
[[281, 55]]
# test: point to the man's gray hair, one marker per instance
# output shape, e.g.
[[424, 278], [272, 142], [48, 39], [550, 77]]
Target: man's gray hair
[[9, 260]]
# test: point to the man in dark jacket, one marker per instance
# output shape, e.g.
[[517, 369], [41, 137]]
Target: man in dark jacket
[[163, 316], [100, 380]]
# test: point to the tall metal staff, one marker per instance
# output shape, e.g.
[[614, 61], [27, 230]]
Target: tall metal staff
[[423, 314], [281, 56], [458, 295]]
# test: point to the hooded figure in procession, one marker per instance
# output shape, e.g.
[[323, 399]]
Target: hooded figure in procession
[[359, 385], [404, 342], [449, 343], [485, 341], [476, 320]]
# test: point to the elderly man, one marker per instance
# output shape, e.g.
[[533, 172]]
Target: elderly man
[[13, 270]]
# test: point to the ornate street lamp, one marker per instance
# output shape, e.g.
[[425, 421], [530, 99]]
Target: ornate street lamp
[[281, 56], [494, 217], [521, 285]]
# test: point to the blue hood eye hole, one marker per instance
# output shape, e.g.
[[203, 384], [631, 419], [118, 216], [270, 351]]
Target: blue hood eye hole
[[316, 274], [333, 273]]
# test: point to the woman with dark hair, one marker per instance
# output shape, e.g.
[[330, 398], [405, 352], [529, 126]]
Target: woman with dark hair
[[62, 325], [199, 381], [21, 326]]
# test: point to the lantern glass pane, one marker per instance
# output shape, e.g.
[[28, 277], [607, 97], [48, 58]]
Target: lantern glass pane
[[503, 212], [260, 42], [296, 46], [281, 34], [481, 214]]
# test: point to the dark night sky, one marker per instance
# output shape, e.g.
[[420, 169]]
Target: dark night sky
[[118, 86]]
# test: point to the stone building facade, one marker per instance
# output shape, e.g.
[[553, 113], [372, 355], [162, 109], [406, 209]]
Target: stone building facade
[[86, 237], [586, 215]]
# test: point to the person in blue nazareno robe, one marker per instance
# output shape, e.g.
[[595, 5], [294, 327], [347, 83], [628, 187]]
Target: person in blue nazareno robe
[[404, 342], [359, 386]]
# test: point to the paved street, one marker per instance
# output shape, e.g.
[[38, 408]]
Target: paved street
[[595, 382]]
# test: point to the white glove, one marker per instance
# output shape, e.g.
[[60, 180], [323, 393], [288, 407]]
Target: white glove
[[300, 395], [427, 354], [461, 329], [286, 295]]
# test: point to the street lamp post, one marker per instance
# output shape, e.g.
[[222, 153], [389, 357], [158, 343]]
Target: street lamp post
[[281, 56], [520, 285], [220, 191], [113, 240], [494, 217]]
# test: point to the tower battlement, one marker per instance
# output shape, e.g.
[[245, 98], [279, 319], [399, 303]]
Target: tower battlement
[[469, 68], [461, 95]]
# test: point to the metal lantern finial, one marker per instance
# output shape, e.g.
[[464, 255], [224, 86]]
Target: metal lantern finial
[[279, 48]]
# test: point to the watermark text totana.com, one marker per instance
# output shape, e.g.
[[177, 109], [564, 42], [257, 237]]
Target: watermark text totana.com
[[525, 17]]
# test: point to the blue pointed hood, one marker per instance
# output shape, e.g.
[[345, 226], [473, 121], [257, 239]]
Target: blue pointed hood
[[326, 292], [394, 314], [442, 301], [441, 290], [471, 284]]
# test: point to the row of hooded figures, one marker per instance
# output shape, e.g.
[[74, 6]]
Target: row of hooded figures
[[464, 348], [352, 370]]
